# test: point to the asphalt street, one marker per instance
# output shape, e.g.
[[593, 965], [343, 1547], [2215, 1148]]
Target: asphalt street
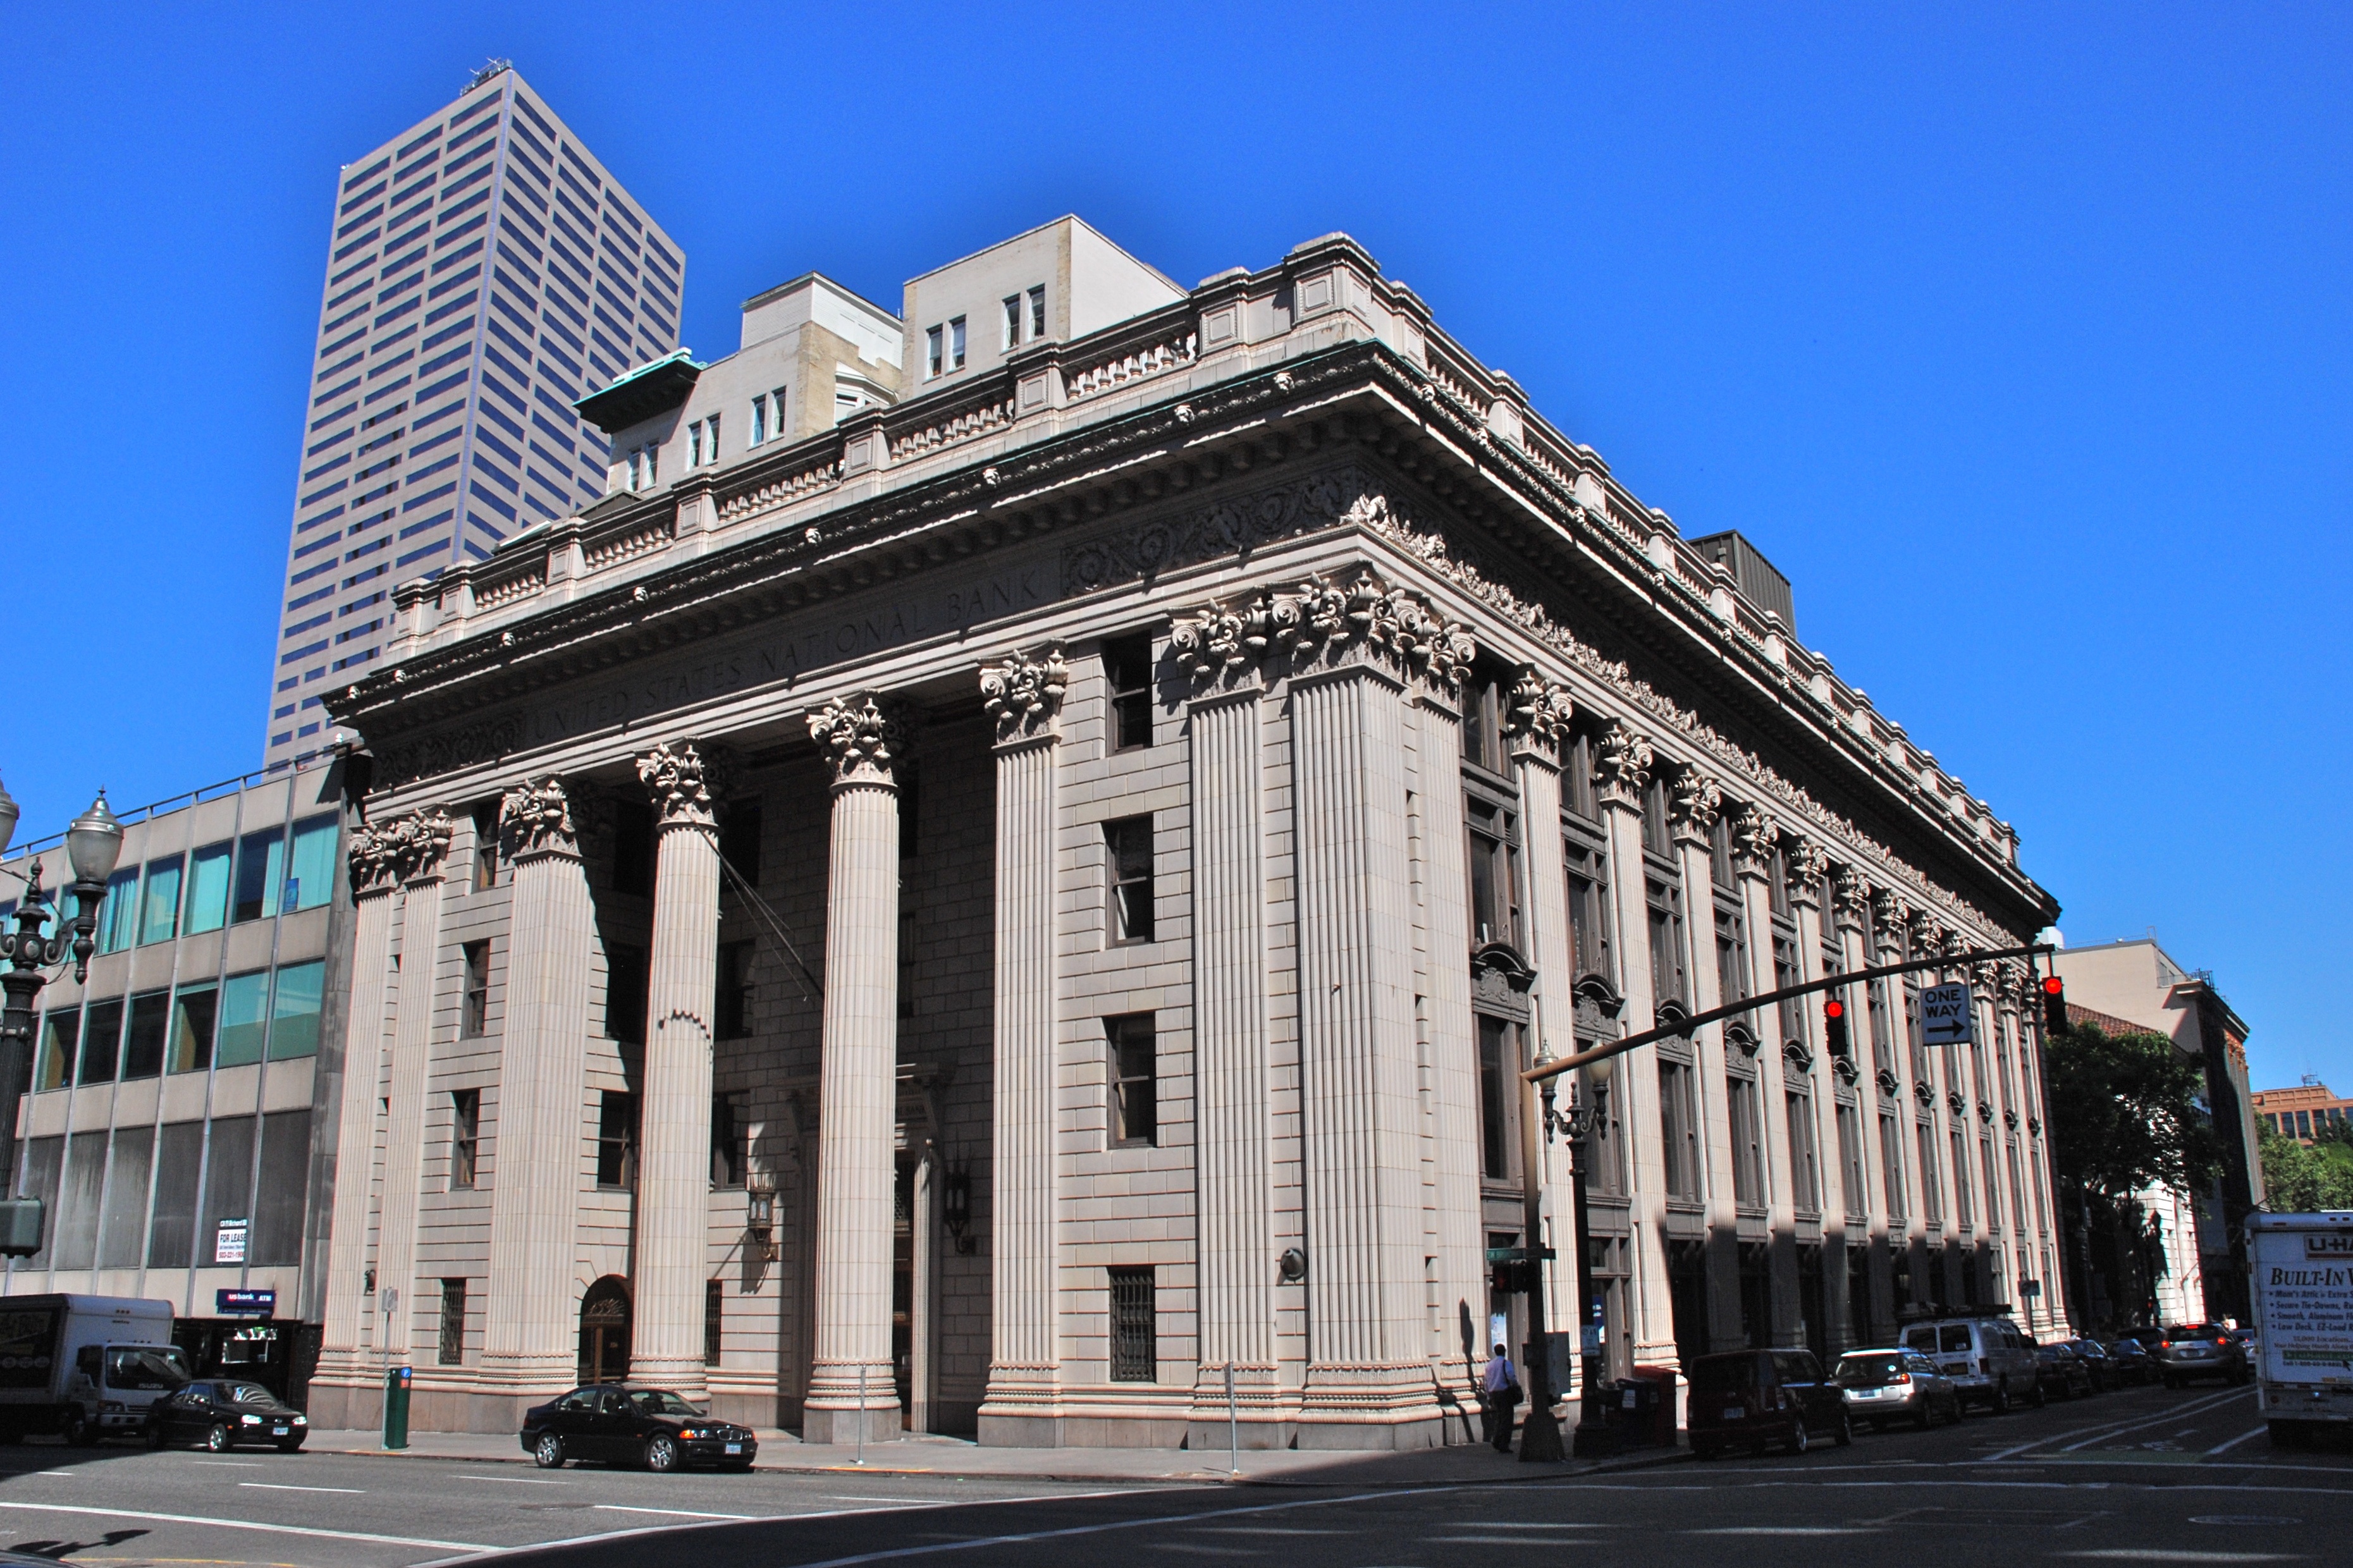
[[2135, 1475]]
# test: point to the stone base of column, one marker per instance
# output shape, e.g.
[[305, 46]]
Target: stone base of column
[[835, 1411], [1262, 1415], [683, 1378], [1378, 1406]]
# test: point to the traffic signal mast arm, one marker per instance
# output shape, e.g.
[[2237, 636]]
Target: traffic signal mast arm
[[1681, 1026]]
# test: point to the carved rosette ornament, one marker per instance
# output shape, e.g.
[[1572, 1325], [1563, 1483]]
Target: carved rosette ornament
[[422, 840], [536, 817], [1849, 896], [1695, 804], [1753, 838], [375, 859], [861, 738], [1535, 713], [1808, 863], [1024, 694], [674, 775], [1622, 765]]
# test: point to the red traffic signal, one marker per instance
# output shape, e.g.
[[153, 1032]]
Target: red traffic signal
[[1834, 1027], [2054, 1006]]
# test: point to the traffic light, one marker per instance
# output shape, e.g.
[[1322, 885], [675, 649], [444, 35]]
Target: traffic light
[[2054, 1006], [20, 1226], [1834, 1026]]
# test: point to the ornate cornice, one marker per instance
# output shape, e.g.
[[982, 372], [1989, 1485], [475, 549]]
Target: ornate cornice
[[1753, 840], [1695, 804], [536, 817], [1024, 694], [674, 774], [1536, 713], [861, 737], [1622, 764]]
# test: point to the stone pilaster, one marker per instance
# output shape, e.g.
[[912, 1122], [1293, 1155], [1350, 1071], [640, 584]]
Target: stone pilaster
[[350, 1312], [1805, 1069], [1450, 1032], [530, 1328], [1024, 696], [1695, 804], [851, 1374], [674, 1165], [1754, 840], [422, 841]]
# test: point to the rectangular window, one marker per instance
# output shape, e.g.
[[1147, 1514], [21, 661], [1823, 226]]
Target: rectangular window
[[633, 848], [1038, 312], [1588, 909], [1851, 1172], [1127, 670], [474, 1005], [1748, 1141], [1493, 850], [625, 992], [278, 1197], [1576, 793], [229, 1186], [759, 417], [616, 1140], [142, 1042], [776, 429], [694, 445], [955, 343], [1961, 1208], [453, 1322], [159, 902], [193, 1014], [1655, 838], [1482, 723], [244, 1020], [1668, 982], [710, 431], [1135, 1326], [931, 350], [1932, 1185], [208, 870], [731, 1013], [118, 912], [179, 1150], [1731, 956], [1134, 1080], [294, 1013], [465, 1136], [1498, 1076], [310, 874], [1012, 333], [1679, 1129], [122, 1239], [260, 874], [101, 1040], [729, 1135], [60, 1049], [77, 1212], [739, 838], [1891, 1165], [1805, 1164], [486, 846], [1128, 858]]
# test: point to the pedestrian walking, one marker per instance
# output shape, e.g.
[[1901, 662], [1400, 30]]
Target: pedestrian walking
[[1502, 1386]]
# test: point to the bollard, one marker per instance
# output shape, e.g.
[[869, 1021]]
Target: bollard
[[395, 1407]]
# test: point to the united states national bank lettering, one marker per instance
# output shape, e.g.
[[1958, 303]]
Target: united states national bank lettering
[[1010, 864]]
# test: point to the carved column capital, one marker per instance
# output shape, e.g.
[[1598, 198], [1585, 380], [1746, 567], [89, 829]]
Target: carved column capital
[[675, 776], [536, 819], [1850, 897], [1024, 694], [1218, 647], [863, 737], [1535, 715], [418, 842], [1808, 863], [1889, 915], [1622, 765], [375, 859], [1753, 841], [1694, 804], [1322, 624]]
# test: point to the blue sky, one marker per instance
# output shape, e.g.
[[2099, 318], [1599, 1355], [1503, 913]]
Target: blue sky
[[2018, 336]]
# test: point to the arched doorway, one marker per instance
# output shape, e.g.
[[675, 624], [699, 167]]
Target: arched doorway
[[605, 1332]]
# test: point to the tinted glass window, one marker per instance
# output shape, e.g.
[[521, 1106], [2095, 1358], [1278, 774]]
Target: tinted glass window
[[1718, 1375], [1921, 1338], [1869, 1370], [1954, 1337]]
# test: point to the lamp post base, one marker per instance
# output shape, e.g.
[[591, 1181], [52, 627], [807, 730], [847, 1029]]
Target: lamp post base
[[1540, 1436]]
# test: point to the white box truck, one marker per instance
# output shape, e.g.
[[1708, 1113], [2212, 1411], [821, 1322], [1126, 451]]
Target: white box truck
[[2302, 1266], [86, 1366]]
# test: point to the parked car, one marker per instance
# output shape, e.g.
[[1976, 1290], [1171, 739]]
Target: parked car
[[1885, 1385], [1988, 1361], [1756, 1399], [2131, 1363], [2095, 1358], [223, 1415], [619, 1424], [2191, 1350], [2061, 1371]]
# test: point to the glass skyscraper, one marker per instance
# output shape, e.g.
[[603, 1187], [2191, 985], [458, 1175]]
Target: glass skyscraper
[[484, 273]]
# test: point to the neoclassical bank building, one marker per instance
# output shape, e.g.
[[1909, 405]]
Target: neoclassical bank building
[[1006, 872]]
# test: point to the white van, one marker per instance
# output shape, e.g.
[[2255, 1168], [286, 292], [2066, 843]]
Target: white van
[[1987, 1359], [87, 1366]]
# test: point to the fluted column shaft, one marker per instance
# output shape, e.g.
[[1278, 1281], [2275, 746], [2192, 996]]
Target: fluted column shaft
[[856, 1092], [1024, 1325], [348, 1306], [530, 1338], [1452, 1035], [403, 1155], [674, 1169]]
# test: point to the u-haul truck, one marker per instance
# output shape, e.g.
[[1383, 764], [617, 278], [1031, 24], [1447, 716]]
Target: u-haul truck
[[2304, 1316]]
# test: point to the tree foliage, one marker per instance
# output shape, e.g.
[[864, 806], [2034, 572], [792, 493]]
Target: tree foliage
[[2301, 1180], [2128, 1111]]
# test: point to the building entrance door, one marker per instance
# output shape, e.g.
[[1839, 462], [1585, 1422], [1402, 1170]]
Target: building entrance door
[[605, 1332]]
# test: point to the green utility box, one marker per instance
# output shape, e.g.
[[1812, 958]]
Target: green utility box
[[395, 1407]]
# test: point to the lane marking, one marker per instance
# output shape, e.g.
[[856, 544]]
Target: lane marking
[[2197, 1406], [2226, 1448], [67, 1474], [248, 1524], [676, 1512], [516, 1480], [229, 1464], [2145, 1554], [2216, 1404], [283, 1486]]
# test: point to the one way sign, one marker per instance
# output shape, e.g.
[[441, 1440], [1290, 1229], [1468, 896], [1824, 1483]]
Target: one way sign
[[1945, 1013]]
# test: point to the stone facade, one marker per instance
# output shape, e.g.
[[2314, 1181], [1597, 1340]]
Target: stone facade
[[1179, 776]]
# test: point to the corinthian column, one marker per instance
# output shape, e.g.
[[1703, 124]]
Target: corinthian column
[[1536, 719], [342, 1358], [1025, 697], [849, 1378], [674, 1170], [531, 1334], [421, 841]]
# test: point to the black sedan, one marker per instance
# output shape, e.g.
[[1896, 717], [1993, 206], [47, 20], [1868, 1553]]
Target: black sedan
[[651, 1427], [2130, 1361], [2097, 1361], [2061, 1371], [222, 1415]]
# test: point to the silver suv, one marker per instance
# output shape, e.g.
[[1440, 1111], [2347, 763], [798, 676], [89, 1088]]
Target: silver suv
[[1987, 1360]]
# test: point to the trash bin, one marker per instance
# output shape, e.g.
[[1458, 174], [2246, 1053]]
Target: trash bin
[[395, 1407], [1645, 1411]]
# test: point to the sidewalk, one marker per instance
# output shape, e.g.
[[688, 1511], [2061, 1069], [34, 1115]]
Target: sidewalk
[[925, 1454]]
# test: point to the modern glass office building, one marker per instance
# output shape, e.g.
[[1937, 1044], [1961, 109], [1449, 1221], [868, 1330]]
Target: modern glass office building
[[172, 1125], [483, 272]]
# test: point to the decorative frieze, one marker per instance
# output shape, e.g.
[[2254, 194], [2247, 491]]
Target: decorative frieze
[[1024, 694], [861, 737], [536, 817]]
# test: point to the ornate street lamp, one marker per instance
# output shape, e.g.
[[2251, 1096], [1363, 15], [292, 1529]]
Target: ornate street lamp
[[1587, 1115], [93, 843]]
